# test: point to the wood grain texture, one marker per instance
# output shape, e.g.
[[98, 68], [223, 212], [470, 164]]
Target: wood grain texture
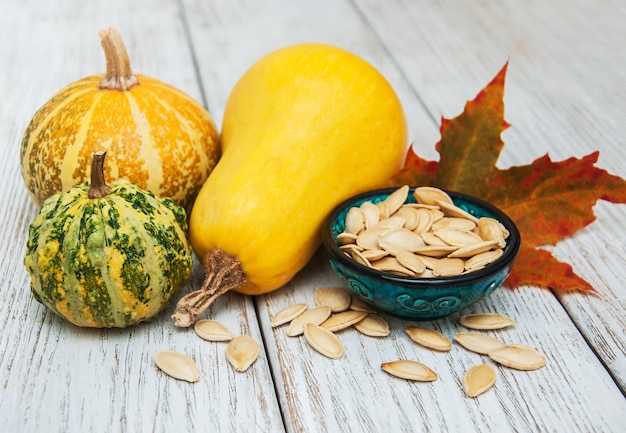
[[565, 95]]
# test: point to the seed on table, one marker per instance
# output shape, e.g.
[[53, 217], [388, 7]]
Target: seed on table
[[212, 330], [478, 343], [486, 321], [315, 315], [428, 338], [241, 352], [323, 340], [411, 370], [373, 326], [177, 365], [287, 314], [478, 379], [519, 357], [343, 320], [336, 298]]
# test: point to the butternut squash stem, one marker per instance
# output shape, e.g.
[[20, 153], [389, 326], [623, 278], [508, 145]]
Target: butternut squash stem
[[119, 74], [98, 188], [223, 272]]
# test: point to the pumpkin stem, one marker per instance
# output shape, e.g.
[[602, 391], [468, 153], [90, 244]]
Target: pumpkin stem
[[222, 273], [98, 188], [119, 75]]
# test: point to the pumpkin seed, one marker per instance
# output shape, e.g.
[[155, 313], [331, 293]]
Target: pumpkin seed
[[373, 326], [359, 304], [458, 238], [424, 222], [428, 338], [486, 321], [391, 264], [410, 215], [449, 267], [479, 343], [373, 255], [452, 210], [343, 320], [345, 238], [469, 251], [435, 250], [481, 260], [358, 257], [431, 196], [287, 314], [336, 298], [315, 315], [394, 222], [177, 365], [368, 239], [396, 240], [241, 352], [411, 261], [491, 229], [430, 239], [411, 370], [323, 340], [478, 379], [383, 210], [355, 220], [397, 199], [519, 357], [454, 223], [371, 213], [212, 330]]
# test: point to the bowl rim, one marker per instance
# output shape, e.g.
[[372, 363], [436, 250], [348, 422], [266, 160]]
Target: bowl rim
[[512, 248]]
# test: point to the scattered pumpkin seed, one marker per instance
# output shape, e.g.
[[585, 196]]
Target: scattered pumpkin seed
[[343, 320], [212, 330], [336, 298], [315, 315], [519, 357], [242, 351], [177, 365], [486, 321], [373, 326], [479, 343], [428, 338], [411, 370], [478, 379], [323, 340], [287, 314]]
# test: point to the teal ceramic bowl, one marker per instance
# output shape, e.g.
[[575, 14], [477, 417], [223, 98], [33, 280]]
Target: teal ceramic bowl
[[415, 298]]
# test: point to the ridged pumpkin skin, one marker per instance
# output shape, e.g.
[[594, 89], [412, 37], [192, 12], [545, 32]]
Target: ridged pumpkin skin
[[108, 262], [158, 137], [304, 128]]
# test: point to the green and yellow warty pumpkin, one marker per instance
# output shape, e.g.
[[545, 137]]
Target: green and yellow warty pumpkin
[[107, 256], [156, 135]]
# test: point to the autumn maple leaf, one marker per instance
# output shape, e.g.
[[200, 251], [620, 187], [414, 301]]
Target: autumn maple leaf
[[547, 200]]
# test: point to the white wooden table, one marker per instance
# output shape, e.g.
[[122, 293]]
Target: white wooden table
[[565, 94]]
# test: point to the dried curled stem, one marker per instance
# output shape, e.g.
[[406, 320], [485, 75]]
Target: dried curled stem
[[223, 273]]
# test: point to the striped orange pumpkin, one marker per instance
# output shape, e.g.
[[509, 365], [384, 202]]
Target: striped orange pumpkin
[[158, 137]]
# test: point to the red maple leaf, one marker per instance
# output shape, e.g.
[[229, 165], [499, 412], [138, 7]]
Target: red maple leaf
[[547, 200]]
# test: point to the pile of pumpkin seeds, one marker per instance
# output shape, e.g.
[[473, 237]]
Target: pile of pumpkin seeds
[[430, 238], [336, 309]]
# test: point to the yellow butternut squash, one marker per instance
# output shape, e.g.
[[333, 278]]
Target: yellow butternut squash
[[304, 128]]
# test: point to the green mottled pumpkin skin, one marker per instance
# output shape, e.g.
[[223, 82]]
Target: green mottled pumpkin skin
[[108, 262]]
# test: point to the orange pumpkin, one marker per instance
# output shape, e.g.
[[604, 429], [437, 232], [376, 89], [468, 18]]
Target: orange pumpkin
[[158, 137]]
